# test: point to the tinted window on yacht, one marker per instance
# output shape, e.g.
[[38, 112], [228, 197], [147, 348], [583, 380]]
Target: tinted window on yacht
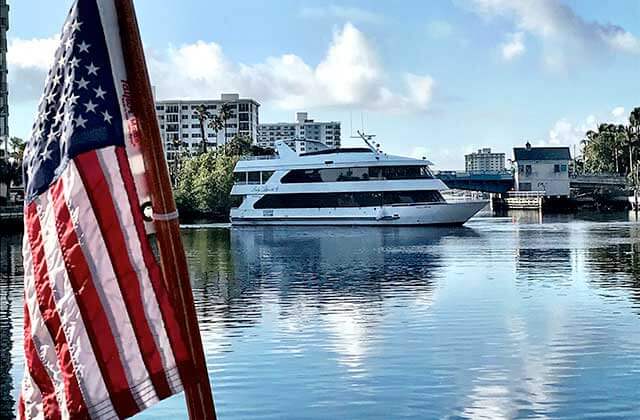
[[374, 173], [346, 199], [240, 177], [253, 177], [266, 175]]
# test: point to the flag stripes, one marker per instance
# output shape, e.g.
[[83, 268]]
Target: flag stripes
[[47, 326], [50, 406], [93, 388], [102, 339], [118, 336], [97, 187], [153, 278]]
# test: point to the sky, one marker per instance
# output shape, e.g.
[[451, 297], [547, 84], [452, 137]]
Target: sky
[[434, 78]]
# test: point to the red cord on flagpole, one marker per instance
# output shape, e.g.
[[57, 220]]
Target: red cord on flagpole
[[172, 258]]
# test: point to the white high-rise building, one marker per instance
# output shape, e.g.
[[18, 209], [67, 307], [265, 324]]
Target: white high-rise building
[[484, 161], [302, 129], [178, 121]]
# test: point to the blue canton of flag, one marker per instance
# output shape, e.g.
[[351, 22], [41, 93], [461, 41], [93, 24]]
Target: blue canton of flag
[[78, 110]]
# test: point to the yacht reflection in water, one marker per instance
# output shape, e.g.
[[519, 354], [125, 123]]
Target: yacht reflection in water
[[340, 277]]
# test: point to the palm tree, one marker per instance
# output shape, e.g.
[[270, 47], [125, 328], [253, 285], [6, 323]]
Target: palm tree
[[203, 115], [633, 139], [216, 124], [224, 114]]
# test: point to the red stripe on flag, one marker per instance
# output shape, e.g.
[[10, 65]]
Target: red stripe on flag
[[47, 305], [95, 320], [50, 407], [101, 200], [174, 332], [21, 415]]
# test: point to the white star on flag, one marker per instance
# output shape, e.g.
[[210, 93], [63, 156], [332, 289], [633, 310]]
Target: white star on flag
[[82, 84], [80, 122], [91, 69], [83, 47], [91, 107], [99, 92]]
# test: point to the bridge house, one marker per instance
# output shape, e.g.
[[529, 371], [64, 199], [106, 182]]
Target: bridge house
[[544, 169]]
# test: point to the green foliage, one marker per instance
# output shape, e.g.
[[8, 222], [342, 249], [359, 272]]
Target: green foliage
[[612, 148], [11, 169], [204, 184]]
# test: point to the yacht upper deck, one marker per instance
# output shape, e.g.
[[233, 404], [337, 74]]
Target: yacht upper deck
[[360, 156]]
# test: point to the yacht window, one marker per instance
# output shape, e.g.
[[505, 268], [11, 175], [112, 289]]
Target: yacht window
[[240, 177], [266, 175], [373, 173], [346, 199], [253, 177]]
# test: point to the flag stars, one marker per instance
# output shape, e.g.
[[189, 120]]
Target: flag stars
[[107, 117], [84, 47], [92, 69], [51, 96], [99, 92], [75, 26], [56, 79], [80, 122], [74, 62], [51, 136], [82, 84], [58, 117], [73, 99], [90, 106]]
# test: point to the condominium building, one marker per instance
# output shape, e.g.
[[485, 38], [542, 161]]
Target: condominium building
[[180, 127], [484, 160], [4, 103], [303, 128]]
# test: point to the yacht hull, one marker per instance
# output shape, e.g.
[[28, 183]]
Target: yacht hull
[[395, 215]]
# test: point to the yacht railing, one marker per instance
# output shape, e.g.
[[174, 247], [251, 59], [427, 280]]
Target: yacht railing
[[266, 157]]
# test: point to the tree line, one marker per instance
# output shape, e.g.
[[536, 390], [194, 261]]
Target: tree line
[[203, 180], [612, 148]]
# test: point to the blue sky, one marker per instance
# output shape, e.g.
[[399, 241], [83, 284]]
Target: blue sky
[[438, 78]]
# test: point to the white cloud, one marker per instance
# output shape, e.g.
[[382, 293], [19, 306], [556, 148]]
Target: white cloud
[[619, 116], [566, 133], [566, 37], [514, 46], [354, 14], [28, 61], [350, 74]]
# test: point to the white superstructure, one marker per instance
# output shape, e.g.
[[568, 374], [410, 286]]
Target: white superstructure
[[360, 186]]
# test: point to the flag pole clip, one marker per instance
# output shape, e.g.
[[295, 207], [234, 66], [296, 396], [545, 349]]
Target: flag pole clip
[[165, 216]]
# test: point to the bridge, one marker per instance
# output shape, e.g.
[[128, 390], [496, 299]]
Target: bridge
[[490, 181], [590, 181], [503, 181]]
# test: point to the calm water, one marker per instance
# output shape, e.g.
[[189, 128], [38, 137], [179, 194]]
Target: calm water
[[505, 318]]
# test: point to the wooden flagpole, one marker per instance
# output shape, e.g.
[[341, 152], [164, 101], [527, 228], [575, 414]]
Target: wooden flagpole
[[173, 260]]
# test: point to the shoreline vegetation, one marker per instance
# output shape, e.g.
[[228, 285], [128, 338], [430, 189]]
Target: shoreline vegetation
[[203, 180]]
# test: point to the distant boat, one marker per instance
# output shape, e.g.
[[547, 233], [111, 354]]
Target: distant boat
[[348, 186]]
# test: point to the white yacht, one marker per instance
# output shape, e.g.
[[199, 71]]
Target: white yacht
[[348, 186]]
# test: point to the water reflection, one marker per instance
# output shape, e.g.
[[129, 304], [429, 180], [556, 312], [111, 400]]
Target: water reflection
[[614, 260], [10, 289], [508, 318]]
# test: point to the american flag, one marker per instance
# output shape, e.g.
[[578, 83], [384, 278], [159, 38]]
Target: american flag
[[101, 337]]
